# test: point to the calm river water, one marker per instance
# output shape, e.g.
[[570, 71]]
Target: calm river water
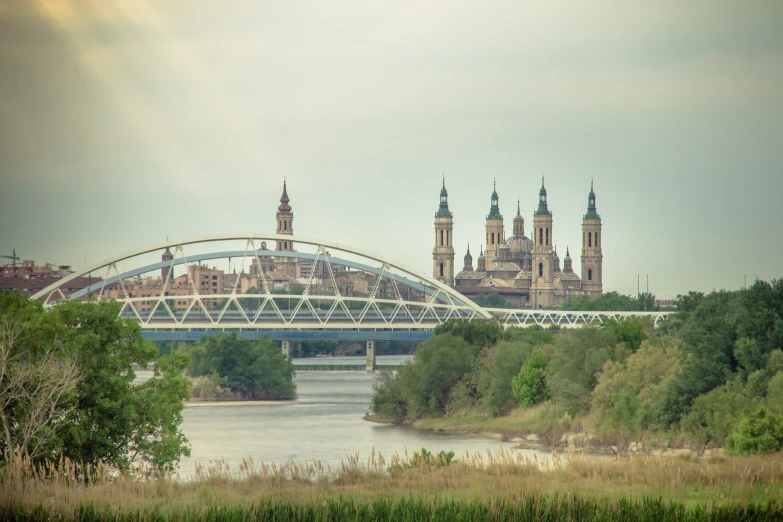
[[324, 423]]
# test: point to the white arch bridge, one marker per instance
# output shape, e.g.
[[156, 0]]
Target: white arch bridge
[[341, 293]]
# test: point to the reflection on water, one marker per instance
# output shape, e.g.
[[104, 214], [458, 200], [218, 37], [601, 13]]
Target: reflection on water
[[324, 424]]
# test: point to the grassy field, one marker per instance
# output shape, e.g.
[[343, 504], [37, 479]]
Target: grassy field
[[505, 483]]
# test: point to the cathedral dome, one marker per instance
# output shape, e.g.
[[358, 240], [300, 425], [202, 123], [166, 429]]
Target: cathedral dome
[[519, 244]]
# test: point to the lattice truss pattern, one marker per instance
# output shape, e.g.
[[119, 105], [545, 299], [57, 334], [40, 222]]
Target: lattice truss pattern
[[393, 296], [568, 319]]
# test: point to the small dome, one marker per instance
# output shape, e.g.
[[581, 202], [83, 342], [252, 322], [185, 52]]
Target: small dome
[[481, 254], [495, 257], [468, 256], [567, 257], [528, 256]]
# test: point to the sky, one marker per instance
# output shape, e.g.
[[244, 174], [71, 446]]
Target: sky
[[124, 122]]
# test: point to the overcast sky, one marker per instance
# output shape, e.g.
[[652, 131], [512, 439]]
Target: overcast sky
[[122, 122]]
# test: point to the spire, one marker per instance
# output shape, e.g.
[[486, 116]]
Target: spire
[[518, 212], [567, 266], [468, 266], [443, 209], [591, 211], [542, 207], [482, 265], [481, 254], [494, 210], [284, 207]]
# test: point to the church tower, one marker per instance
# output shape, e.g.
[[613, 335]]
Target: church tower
[[519, 223], [166, 260], [443, 253], [285, 227], [542, 276], [494, 227], [592, 258], [468, 265]]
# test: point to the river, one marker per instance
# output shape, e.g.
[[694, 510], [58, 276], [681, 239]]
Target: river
[[324, 423]]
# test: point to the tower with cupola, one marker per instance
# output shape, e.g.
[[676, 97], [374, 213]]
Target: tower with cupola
[[443, 252], [494, 227], [592, 257], [542, 274]]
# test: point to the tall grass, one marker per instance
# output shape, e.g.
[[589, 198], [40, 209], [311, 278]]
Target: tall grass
[[503, 485]]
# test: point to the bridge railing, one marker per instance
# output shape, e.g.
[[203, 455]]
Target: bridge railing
[[568, 319]]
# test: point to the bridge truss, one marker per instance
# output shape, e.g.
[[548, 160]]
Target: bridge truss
[[172, 294]]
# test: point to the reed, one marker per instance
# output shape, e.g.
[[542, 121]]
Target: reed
[[505, 483]]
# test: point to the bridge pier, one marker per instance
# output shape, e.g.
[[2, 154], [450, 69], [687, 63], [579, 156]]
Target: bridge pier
[[286, 345], [370, 364]]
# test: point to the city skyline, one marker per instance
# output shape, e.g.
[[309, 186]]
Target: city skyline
[[126, 124]]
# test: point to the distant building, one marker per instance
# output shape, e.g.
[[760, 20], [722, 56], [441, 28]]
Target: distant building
[[525, 271]]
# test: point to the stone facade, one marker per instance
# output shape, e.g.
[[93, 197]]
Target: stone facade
[[526, 271]]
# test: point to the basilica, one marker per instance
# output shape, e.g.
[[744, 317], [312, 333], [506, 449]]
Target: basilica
[[524, 270]]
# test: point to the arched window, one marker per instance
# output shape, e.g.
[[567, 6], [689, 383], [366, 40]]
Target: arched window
[[441, 269], [441, 239], [493, 238], [589, 239], [596, 240], [540, 236], [547, 236], [589, 274], [540, 269], [447, 238]]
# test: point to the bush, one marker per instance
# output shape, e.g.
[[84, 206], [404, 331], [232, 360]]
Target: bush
[[495, 375], [530, 384], [762, 432]]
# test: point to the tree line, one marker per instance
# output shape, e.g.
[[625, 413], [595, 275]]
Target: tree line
[[712, 372]]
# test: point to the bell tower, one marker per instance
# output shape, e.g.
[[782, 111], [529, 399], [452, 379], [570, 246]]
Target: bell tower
[[494, 227], [592, 257], [542, 275], [285, 227], [443, 252]]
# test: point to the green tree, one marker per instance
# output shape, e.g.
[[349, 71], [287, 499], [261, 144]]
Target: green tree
[[479, 334], [422, 386], [116, 420], [495, 375], [491, 301], [530, 384], [629, 332], [761, 432], [257, 370]]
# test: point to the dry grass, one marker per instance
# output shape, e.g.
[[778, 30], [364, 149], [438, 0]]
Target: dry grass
[[502, 474]]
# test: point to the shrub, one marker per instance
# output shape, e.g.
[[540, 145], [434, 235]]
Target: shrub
[[530, 384], [762, 432]]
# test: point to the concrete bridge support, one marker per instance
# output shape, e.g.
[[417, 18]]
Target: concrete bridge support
[[286, 345], [370, 365]]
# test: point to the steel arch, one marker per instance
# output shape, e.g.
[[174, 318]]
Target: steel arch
[[433, 312]]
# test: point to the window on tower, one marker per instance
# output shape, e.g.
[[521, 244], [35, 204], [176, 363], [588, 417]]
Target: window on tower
[[540, 236], [441, 238], [589, 239], [589, 274], [540, 269], [596, 240], [493, 238], [441, 269], [547, 236]]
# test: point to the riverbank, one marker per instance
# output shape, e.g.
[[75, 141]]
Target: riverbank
[[202, 403], [536, 429], [505, 479]]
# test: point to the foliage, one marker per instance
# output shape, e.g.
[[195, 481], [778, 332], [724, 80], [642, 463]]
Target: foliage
[[495, 375], [491, 301], [761, 432], [530, 384], [534, 335], [577, 359], [629, 332], [628, 387], [257, 370], [479, 334], [611, 302], [714, 414], [774, 398], [106, 417], [422, 386]]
